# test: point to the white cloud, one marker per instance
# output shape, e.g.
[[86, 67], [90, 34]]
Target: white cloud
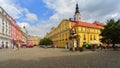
[[21, 24], [91, 10], [17, 11], [40, 29], [11, 8], [31, 17]]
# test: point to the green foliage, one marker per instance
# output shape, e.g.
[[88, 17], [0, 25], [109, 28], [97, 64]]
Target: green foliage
[[86, 44], [46, 41], [111, 32]]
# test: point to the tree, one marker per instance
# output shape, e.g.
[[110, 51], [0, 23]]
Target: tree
[[46, 41], [111, 32]]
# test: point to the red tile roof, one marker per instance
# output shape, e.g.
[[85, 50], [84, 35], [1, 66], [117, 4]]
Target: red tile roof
[[85, 24], [98, 23]]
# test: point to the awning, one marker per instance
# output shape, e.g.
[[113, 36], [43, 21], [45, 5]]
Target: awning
[[95, 42]]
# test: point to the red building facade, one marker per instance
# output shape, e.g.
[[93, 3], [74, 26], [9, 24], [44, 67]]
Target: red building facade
[[15, 32]]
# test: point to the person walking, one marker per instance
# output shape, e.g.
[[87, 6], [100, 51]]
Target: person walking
[[6, 45], [2, 45], [66, 47], [15, 46]]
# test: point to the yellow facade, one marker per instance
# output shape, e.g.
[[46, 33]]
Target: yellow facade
[[60, 35], [34, 40], [89, 35], [84, 32]]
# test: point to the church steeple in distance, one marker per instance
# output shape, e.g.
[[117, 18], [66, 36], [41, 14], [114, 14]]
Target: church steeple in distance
[[77, 16]]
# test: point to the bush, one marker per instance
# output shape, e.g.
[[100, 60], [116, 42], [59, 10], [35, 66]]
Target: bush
[[46, 41]]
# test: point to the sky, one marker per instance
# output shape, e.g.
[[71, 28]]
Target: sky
[[39, 16]]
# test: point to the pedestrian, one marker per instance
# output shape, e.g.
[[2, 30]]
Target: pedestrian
[[2, 45], [55, 46], [6, 45], [15, 46], [71, 47], [101, 46], [66, 46]]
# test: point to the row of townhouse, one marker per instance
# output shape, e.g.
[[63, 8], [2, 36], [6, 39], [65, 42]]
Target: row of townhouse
[[10, 32]]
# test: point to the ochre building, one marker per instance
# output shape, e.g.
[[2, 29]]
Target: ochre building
[[75, 32], [34, 39]]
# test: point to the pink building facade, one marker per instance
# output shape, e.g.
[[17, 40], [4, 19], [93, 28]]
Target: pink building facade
[[10, 32], [15, 32]]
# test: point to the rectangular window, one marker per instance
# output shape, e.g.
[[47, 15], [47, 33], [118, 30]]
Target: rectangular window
[[89, 30], [90, 37], [85, 29], [84, 37], [81, 29], [94, 37]]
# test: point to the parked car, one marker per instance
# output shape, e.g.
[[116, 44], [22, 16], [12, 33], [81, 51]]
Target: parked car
[[30, 45], [44, 46], [27, 45]]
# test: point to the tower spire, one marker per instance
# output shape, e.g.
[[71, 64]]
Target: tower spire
[[77, 16], [77, 9]]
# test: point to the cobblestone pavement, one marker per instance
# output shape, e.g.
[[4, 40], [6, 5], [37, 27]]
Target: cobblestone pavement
[[58, 58]]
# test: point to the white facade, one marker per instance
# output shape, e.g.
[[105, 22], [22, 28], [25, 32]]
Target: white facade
[[4, 29], [77, 17], [24, 35]]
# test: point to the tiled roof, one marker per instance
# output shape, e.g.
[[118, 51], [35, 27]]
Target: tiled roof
[[98, 23], [85, 24]]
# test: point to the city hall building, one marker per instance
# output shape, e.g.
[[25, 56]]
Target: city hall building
[[75, 32]]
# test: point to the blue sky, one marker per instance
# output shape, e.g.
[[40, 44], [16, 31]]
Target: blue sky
[[39, 16], [38, 7]]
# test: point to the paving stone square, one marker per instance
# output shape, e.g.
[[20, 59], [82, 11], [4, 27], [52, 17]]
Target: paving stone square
[[58, 58]]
